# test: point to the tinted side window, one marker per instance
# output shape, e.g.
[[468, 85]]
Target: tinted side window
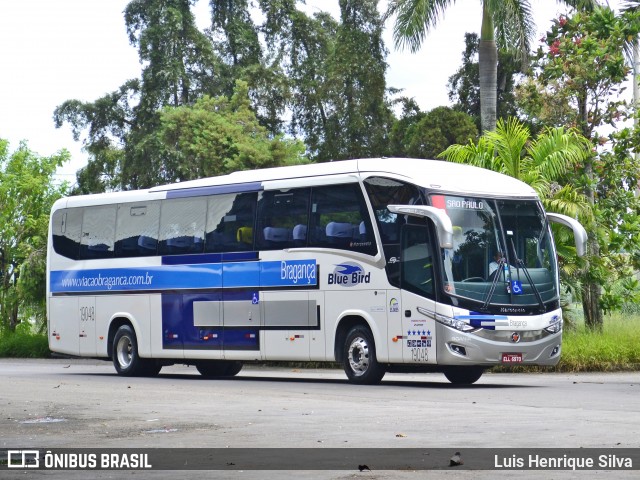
[[65, 230], [137, 229], [230, 222], [417, 260], [339, 219], [182, 223], [98, 232], [282, 219]]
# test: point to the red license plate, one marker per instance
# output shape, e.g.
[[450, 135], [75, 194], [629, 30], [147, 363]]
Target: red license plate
[[511, 358]]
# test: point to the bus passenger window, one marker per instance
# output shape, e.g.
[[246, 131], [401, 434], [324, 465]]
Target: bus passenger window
[[280, 215], [182, 222], [66, 225], [98, 231], [230, 220], [339, 219], [137, 229]]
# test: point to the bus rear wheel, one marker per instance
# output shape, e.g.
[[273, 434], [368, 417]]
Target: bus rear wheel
[[125, 355], [218, 368], [359, 357], [463, 375]]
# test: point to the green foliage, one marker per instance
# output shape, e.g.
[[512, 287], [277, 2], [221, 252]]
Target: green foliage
[[579, 70], [27, 192], [507, 24], [218, 135], [179, 65], [425, 135], [541, 162], [576, 82], [23, 343], [358, 119], [614, 348], [308, 76]]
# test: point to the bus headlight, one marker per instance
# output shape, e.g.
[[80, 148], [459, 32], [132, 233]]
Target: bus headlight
[[448, 321], [555, 325], [555, 328]]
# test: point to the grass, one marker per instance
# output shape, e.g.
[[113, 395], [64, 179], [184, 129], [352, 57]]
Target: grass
[[23, 345], [615, 349]]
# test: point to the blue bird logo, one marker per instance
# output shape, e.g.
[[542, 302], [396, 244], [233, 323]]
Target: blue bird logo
[[348, 269]]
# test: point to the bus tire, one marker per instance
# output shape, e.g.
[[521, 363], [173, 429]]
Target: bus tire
[[125, 355], [463, 375], [218, 368], [359, 357]]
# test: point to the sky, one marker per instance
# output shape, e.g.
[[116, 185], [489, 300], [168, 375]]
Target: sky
[[53, 51]]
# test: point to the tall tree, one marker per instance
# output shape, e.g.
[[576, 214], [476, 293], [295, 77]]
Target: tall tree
[[27, 192], [464, 85], [359, 124], [576, 81], [221, 135], [542, 162], [424, 135], [507, 24], [178, 66]]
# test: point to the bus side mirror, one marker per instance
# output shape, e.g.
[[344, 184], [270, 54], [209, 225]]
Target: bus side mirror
[[579, 233], [437, 216]]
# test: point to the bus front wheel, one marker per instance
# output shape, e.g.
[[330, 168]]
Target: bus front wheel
[[359, 357], [125, 355], [463, 375]]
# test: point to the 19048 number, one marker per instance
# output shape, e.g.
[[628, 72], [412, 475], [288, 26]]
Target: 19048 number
[[87, 314], [419, 355]]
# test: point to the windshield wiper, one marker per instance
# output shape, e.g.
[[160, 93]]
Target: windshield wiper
[[520, 264], [499, 271]]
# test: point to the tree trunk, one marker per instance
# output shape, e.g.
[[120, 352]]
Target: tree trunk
[[591, 290], [488, 66]]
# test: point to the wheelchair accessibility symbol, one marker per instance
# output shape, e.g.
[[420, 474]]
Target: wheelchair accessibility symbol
[[516, 287]]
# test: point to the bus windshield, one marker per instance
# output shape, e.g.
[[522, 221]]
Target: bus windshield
[[502, 254]]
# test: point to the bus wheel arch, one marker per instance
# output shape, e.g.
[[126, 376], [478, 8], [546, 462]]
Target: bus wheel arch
[[123, 350], [355, 348]]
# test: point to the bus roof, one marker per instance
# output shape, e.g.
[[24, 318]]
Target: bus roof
[[433, 174]]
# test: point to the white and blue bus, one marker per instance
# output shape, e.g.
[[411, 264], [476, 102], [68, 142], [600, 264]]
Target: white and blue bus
[[379, 264]]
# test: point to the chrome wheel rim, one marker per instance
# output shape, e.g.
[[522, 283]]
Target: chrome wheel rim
[[123, 352], [359, 356]]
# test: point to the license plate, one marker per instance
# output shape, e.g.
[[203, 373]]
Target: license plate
[[511, 358]]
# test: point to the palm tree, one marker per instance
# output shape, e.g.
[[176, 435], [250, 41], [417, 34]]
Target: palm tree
[[505, 23], [542, 162]]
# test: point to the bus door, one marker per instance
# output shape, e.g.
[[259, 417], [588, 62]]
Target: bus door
[[417, 295]]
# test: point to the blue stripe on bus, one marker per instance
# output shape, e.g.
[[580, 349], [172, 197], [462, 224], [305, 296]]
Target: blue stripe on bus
[[192, 259], [480, 320], [215, 190], [209, 258], [290, 273]]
